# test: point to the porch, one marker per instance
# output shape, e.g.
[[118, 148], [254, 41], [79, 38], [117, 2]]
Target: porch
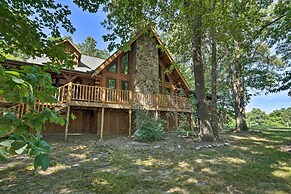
[[95, 96]]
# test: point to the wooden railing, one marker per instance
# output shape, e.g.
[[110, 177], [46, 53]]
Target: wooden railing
[[21, 108], [78, 92], [98, 94]]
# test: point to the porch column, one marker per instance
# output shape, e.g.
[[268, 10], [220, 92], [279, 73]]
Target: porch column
[[67, 124], [102, 123]]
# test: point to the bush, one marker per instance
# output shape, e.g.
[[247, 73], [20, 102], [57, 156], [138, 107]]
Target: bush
[[148, 128], [182, 132], [184, 128]]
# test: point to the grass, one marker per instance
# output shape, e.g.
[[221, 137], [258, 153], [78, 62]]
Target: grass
[[253, 163]]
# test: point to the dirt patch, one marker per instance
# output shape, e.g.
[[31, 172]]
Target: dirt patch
[[171, 142], [286, 148]]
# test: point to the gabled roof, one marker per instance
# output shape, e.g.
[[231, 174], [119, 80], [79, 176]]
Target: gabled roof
[[120, 51], [73, 45], [86, 63]]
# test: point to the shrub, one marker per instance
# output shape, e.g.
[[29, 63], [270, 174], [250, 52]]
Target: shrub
[[182, 132], [184, 128], [148, 128]]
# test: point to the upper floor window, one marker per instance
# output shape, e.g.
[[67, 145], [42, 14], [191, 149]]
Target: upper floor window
[[111, 83], [124, 85], [124, 64], [161, 90], [168, 91], [160, 73], [112, 68]]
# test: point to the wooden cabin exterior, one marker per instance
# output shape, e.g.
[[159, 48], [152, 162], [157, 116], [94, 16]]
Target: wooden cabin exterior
[[103, 94]]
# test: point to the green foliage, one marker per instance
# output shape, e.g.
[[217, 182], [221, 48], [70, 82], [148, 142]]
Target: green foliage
[[182, 132], [88, 47], [147, 128], [277, 118], [256, 117], [22, 35], [19, 86]]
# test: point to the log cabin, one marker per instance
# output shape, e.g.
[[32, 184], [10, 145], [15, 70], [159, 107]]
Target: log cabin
[[103, 94]]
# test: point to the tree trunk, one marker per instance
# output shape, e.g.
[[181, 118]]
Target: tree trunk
[[238, 95], [203, 114], [237, 80], [214, 114]]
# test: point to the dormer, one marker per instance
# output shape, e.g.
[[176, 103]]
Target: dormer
[[70, 47]]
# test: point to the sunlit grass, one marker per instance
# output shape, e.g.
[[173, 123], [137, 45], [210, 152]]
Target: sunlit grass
[[253, 163]]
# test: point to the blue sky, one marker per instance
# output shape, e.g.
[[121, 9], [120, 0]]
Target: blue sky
[[88, 24]]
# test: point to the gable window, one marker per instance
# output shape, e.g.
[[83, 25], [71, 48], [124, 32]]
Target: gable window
[[124, 64], [124, 85], [111, 83], [112, 68]]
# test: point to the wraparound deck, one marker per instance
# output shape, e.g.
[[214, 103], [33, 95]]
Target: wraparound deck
[[95, 96], [85, 96]]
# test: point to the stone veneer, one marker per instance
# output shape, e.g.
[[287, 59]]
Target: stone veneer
[[146, 74]]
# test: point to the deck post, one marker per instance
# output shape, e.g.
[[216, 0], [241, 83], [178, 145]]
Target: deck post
[[168, 122], [69, 93], [130, 114], [191, 122], [129, 122], [68, 122], [102, 123], [177, 119], [157, 106], [98, 123]]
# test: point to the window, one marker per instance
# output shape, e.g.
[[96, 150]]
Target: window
[[160, 73], [113, 68], [168, 91], [161, 89], [124, 64], [124, 85], [111, 83]]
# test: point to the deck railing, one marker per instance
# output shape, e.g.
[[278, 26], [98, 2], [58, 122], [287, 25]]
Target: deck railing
[[80, 92]]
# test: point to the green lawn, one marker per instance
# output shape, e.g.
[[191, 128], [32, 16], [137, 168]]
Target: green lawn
[[253, 163]]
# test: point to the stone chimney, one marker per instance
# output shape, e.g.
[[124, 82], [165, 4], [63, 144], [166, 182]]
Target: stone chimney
[[146, 73]]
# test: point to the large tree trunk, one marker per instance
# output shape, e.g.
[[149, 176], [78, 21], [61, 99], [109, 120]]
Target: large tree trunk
[[203, 114], [238, 80], [239, 100], [214, 114]]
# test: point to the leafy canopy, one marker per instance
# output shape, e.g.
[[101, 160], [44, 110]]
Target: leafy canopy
[[23, 24], [88, 47]]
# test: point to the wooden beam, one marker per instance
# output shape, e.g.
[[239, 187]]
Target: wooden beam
[[98, 122], [177, 119], [102, 123], [69, 92], [129, 122], [130, 114], [67, 124], [69, 77], [157, 107], [168, 122]]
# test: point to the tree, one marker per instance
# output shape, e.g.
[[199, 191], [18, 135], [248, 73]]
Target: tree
[[22, 25], [182, 20], [214, 74], [257, 117], [88, 47]]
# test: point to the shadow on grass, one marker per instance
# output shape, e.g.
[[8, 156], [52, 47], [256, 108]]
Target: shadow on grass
[[252, 164]]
